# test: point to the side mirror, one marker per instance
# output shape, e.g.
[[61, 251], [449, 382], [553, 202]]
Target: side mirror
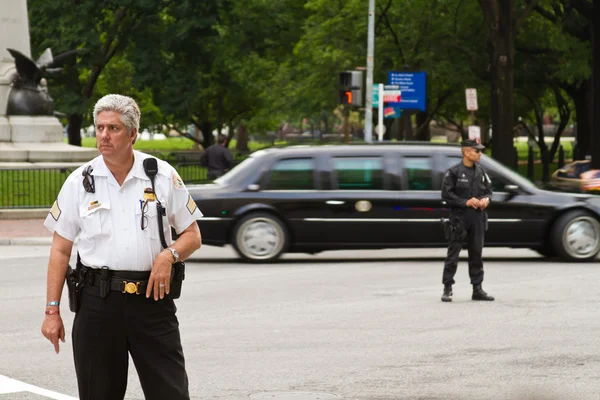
[[512, 189], [253, 187]]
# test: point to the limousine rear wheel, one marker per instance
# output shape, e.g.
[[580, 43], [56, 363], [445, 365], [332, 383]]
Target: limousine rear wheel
[[576, 236], [260, 237]]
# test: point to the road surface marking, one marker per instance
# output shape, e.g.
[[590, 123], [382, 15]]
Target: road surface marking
[[8, 385]]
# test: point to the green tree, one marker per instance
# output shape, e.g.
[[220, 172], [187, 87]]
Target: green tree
[[101, 30]]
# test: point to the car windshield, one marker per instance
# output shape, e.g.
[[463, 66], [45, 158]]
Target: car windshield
[[239, 170], [517, 179]]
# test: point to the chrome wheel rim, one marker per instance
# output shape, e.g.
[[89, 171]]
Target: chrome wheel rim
[[581, 237], [260, 238]]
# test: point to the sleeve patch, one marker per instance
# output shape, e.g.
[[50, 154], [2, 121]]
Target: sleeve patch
[[191, 205], [55, 211], [177, 182]]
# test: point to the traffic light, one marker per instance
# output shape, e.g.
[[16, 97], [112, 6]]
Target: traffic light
[[350, 89]]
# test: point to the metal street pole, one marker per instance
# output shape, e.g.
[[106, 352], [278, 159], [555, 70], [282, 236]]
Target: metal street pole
[[369, 91], [380, 112]]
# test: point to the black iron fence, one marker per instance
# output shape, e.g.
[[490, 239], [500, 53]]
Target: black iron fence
[[39, 187]]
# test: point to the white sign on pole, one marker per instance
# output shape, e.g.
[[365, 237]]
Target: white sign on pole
[[471, 99], [475, 133]]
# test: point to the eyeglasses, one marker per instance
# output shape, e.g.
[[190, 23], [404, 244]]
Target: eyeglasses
[[477, 150], [144, 219], [88, 180]]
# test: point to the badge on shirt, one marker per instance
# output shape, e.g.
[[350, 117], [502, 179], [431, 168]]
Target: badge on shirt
[[149, 195], [55, 211], [94, 204], [191, 205], [177, 182]]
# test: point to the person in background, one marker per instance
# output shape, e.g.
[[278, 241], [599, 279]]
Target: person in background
[[217, 158]]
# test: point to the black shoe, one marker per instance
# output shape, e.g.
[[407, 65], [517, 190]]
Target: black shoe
[[447, 296], [480, 294]]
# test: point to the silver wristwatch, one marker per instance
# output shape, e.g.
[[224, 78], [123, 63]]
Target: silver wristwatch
[[174, 252]]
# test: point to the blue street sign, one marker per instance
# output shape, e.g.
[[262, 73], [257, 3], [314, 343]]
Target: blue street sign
[[413, 87]]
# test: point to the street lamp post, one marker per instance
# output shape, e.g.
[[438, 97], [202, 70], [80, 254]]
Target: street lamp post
[[369, 91]]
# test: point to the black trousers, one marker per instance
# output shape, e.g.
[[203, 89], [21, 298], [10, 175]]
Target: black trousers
[[474, 222], [215, 173], [106, 331]]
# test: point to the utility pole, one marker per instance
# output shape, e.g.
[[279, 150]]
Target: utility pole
[[369, 91]]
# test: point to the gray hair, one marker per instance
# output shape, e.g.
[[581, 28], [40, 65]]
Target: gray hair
[[125, 106]]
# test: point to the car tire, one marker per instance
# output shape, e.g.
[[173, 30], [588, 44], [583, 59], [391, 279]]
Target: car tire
[[260, 238], [576, 236]]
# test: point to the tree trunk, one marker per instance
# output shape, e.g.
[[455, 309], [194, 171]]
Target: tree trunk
[[197, 136], [500, 18], [242, 139], [423, 132], [74, 122], [231, 130], [407, 123], [207, 136], [581, 96]]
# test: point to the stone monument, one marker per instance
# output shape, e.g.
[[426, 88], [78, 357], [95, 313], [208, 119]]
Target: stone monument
[[29, 132]]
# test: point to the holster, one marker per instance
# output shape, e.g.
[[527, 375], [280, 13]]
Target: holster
[[177, 277], [75, 280], [453, 229]]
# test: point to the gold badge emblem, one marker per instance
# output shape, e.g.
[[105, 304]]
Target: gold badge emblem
[[149, 195], [363, 206]]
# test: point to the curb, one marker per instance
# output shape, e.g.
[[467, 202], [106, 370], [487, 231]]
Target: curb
[[24, 213], [35, 241]]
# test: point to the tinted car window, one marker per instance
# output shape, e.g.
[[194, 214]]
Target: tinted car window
[[360, 173], [419, 173], [498, 182], [292, 174]]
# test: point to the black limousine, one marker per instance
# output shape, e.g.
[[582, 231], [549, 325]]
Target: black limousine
[[314, 198]]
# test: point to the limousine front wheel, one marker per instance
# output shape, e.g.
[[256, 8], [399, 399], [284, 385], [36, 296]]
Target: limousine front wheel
[[576, 236], [260, 237]]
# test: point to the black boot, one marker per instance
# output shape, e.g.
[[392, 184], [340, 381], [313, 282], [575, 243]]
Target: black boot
[[480, 294], [447, 296]]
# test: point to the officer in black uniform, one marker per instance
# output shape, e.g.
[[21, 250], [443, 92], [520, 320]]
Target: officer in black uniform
[[467, 190]]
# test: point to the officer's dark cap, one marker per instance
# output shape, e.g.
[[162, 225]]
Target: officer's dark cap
[[472, 143]]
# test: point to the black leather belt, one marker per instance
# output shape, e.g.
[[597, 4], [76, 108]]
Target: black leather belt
[[132, 282]]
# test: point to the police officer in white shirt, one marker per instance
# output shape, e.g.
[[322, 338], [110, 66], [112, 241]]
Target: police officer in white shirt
[[110, 203]]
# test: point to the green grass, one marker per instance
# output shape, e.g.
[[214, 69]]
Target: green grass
[[172, 144]]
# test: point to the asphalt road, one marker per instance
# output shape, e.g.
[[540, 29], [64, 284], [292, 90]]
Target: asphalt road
[[342, 325]]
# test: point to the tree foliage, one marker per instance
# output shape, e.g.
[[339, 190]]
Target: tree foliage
[[253, 65]]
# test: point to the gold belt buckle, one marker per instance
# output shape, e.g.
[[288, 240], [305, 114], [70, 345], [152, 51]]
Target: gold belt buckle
[[130, 287]]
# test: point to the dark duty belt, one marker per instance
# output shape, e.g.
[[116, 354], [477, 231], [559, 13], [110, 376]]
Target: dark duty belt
[[131, 282]]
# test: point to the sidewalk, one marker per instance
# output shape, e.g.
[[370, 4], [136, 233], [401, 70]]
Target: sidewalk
[[24, 232]]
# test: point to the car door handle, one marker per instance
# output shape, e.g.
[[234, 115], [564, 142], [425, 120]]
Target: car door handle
[[335, 202]]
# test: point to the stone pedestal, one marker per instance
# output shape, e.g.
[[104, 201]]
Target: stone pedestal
[[44, 152], [4, 130], [35, 129]]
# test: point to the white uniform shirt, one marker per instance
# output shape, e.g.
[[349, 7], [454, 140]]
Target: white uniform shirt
[[108, 221]]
